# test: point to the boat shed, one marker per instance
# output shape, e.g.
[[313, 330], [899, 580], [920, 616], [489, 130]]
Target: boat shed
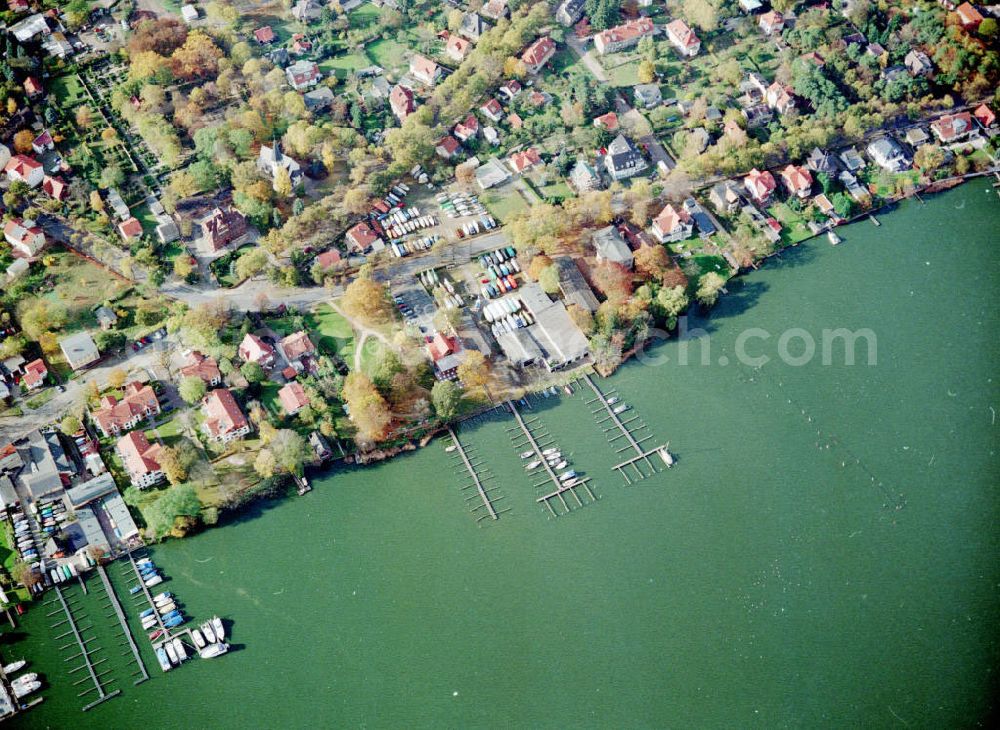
[[8, 497], [86, 531], [121, 520], [520, 347], [91, 489], [574, 286]]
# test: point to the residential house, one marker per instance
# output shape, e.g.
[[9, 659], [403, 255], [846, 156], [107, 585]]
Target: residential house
[[760, 185], [968, 17], [888, 155], [772, 22], [985, 116], [916, 136], [300, 44], [672, 224], [31, 26], [34, 376], [824, 206], [821, 161], [118, 205], [510, 89], [272, 159], [54, 187], [224, 421], [495, 9], [401, 102], [952, 127], [750, 6], [79, 350], [814, 58], [140, 459], [623, 159], [166, 228], [265, 35], [491, 135], [473, 26], [379, 88], [329, 259], [623, 36], [491, 173], [296, 346], [130, 229], [647, 95], [525, 160], [894, 73], [701, 217], [725, 197], [444, 353], [797, 181], [424, 70], [303, 74], [33, 88], [683, 38], [852, 160], [306, 11], [138, 403], [43, 143], [584, 177], [189, 13], [457, 48], [293, 398], [447, 146], [17, 269], [569, 12], [467, 129], [319, 99], [223, 226], [254, 349], [106, 317], [197, 365], [492, 110], [607, 122], [538, 54], [779, 97], [611, 247], [757, 115], [918, 63], [25, 238], [26, 169], [361, 237]]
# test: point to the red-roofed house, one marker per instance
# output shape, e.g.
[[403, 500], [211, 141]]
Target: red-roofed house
[[34, 374], [201, 366], [26, 169], [779, 97], [293, 398], [492, 110], [296, 346], [55, 187], [32, 87], [265, 35], [424, 70], [447, 146], [328, 259], [952, 127], [797, 180], [760, 185], [814, 58], [254, 349], [772, 22], [683, 38], [514, 120], [43, 143], [968, 16], [457, 48], [607, 121], [443, 351], [524, 160], [130, 229], [24, 237], [224, 421], [673, 224], [301, 44], [510, 88], [360, 237], [140, 459], [401, 102], [623, 36], [467, 129], [223, 226], [985, 116], [538, 54], [115, 416]]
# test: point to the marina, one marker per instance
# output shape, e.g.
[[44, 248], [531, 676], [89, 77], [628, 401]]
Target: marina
[[478, 476]]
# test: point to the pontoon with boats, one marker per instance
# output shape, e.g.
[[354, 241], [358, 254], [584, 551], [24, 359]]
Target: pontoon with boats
[[533, 465]]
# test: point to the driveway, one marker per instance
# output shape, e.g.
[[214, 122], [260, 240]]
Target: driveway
[[588, 58]]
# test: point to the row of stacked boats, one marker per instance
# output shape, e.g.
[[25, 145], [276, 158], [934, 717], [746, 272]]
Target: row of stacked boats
[[25, 684], [209, 642], [553, 460]]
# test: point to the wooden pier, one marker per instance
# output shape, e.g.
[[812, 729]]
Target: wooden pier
[[90, 666], [476, 480], [126, 632], [623, 429], [561, 489]]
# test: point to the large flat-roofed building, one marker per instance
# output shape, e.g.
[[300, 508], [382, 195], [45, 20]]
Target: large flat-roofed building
[[574, 286], [553, 341], [46, 466]]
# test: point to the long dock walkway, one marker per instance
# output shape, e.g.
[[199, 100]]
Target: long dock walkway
[[475, 476], [85, 654], [126, 632]]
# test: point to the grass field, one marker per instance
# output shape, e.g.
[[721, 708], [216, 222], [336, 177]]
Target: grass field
[[170, 431], [79, 286], [504, 204], [794, 228], [625, 75], [68, 91], [363, 16], [335, 332], [387, 53], [566, 62], [37, 401], [344, 65]]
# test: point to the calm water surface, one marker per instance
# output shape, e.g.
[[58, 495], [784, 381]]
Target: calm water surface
[[767, 581]]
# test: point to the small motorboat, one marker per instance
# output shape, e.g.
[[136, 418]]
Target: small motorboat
[[171, 652], [148, 623], [173, 621], [533, 465], [179, 649], [135, 589], [14, 666], [143, 561], [214, 650], [567, 390], [571, 482], [147, 612], [209, 632], [199, 640], [167, 608], [561, 465], [161, 596], [612, 400], [154, 581], [153, 636], [25, 678], [667, 457], [23, 690], [220, 630], [163, 659], [449, 449], [527, 454], [833, 238], [162, 601], [566, 476], [620, 409], [551, 450]]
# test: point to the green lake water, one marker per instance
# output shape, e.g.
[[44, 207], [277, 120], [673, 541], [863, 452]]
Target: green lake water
[[824, 553]]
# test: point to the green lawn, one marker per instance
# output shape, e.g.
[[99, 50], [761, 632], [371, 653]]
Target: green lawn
[[342, 66], [566, 62], [68, 91], [370, 353], [504, 205], [387, 53], [557, 191], [363, 16], [335, 332], [37, 401], [794, 228], [170, 431], [625, 75], [269, 396]]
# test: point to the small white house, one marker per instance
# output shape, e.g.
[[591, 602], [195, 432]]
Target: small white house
[[189, 13]]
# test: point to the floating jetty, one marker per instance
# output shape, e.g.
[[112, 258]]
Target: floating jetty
[[477, 479], [126, 632]]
